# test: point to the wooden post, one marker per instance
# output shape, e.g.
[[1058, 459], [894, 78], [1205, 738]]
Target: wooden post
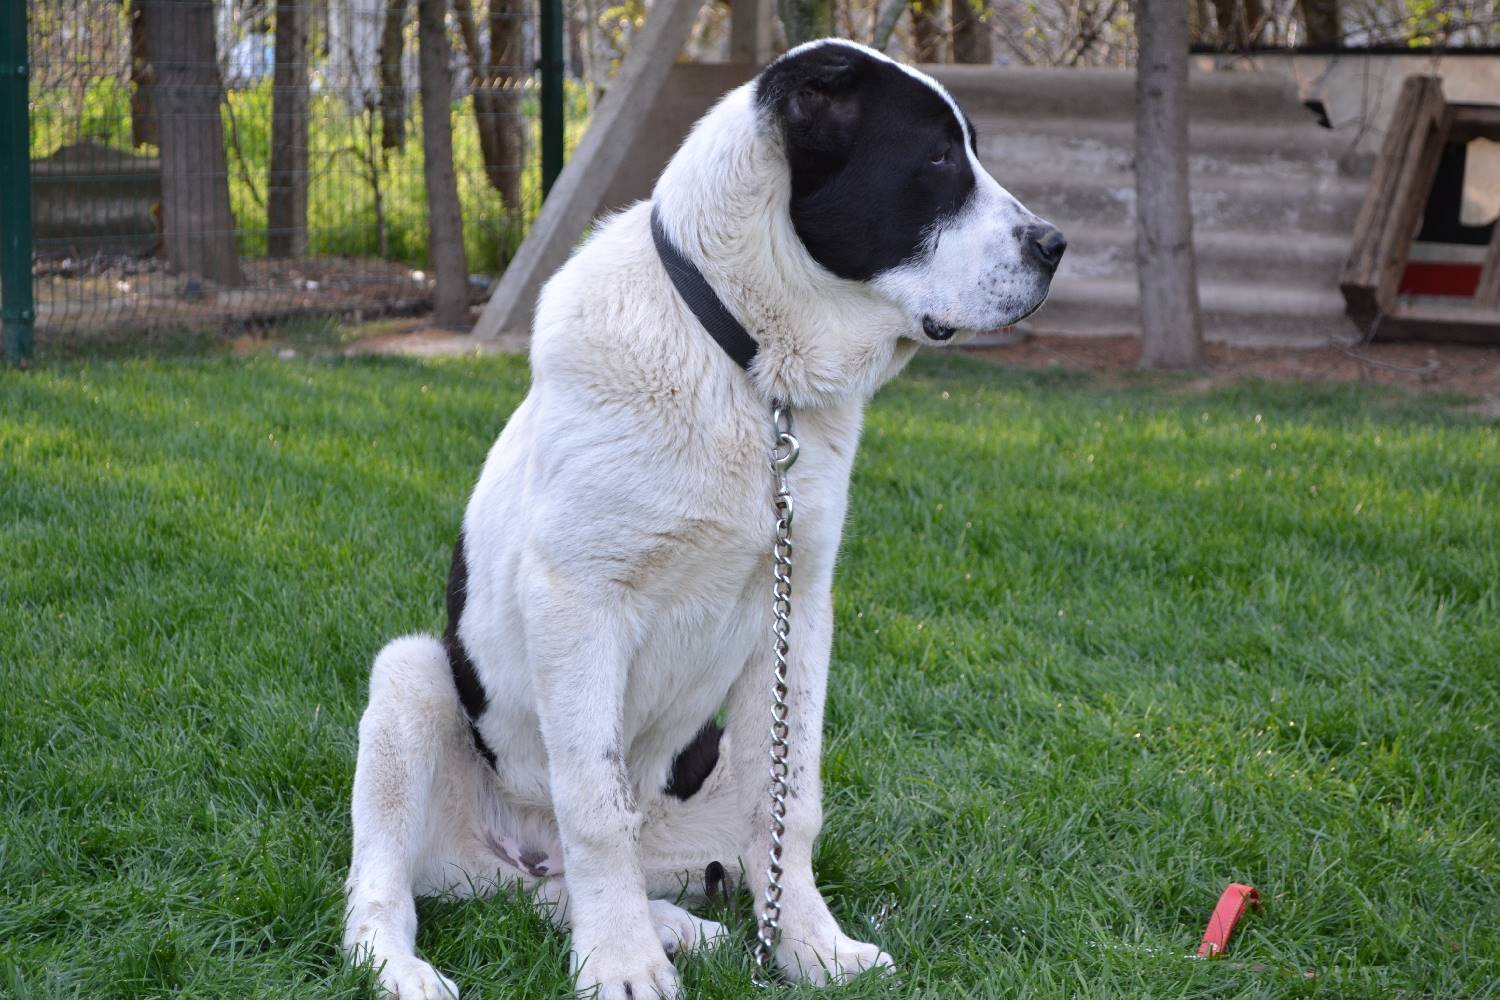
[[576, 196], [1167, 273]]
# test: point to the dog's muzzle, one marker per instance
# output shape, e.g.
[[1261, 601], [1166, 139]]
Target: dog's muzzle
[[936, 330], [1045, 245]]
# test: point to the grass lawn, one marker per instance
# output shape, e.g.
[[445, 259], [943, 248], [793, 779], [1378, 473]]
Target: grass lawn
[[1101, 651]]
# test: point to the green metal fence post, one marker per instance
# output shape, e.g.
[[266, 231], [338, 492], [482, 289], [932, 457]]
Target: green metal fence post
[[551, 32], [17, 309]]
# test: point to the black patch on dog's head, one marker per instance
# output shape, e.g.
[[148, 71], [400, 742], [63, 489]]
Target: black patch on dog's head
[[877, 156]]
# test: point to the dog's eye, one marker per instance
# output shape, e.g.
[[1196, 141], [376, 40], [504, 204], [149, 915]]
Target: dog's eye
[[944, 155]]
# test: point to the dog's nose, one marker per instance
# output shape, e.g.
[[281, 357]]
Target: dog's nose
[[1046, 243]]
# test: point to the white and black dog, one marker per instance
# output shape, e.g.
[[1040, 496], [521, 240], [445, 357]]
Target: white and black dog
[[609, 595]]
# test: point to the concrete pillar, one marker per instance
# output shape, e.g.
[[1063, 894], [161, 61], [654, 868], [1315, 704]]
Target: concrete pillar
[[574, 199]]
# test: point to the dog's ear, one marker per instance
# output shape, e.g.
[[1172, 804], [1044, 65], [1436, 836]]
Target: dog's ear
[[816, 95]]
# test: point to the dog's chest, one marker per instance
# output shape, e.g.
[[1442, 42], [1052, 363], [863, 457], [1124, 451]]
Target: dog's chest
[[709, 612], [719, 545]]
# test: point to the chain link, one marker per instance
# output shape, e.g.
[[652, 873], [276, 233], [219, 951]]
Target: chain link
[[783, 455]]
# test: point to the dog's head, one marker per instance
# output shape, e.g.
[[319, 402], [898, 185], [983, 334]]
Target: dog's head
[[887, 189]]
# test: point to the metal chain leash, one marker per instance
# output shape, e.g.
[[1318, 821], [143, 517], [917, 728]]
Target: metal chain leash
[[783, 456]]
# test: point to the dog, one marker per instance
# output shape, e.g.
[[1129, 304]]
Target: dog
[[609, 598]]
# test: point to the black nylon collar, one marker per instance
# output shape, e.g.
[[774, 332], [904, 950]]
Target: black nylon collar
[[700, 298]]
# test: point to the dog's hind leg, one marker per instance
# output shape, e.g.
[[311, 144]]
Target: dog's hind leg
[[415, 765]]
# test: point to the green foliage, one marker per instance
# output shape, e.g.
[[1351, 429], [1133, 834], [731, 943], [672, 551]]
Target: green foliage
[[1099, 652], [341, 198], [98, 111], [342, 143], [805, 20]]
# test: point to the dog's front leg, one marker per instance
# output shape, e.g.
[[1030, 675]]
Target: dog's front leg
[[812, 945], [581, 655]]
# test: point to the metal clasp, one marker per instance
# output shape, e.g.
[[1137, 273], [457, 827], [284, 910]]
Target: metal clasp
[[786, 449]]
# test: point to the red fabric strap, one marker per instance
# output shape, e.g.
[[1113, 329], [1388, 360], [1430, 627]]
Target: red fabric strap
[[1226, 915]]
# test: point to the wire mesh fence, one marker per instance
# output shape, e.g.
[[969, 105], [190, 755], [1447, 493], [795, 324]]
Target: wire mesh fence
[[221, 164]]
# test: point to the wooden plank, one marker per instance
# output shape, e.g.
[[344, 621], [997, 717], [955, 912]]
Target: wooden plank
[[574, 199], [1487, 295], [1481, 121], [1459, 323], [1426, 151], [1370, 224], [1394, 200], [1474, 121]]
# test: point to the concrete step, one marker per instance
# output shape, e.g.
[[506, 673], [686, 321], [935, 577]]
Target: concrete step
[[1291, 153], [1326, 205], [1274, 197], [1245, 313], [1036, 92], [1311, 260]]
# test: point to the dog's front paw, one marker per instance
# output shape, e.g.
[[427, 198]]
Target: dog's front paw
[[635, 970], [410, 978], [682, 932], [829, 957]]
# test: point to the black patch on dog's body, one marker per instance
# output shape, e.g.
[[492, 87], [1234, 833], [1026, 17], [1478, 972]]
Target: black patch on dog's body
[[695, 762], [861, 132], [713, 880], [470, 691]]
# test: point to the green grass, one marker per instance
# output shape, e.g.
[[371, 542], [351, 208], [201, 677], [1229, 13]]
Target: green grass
[[1101, 651]]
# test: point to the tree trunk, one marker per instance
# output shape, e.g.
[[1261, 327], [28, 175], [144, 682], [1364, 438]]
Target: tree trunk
[[805, 20], [1325, 27], [286, 187], [886, 16], [1255, 22], [197, 223], [751, 27], [1200, 22], [1240, 22], [143, 130], [1171, 327], [926, 31], [591, 53], [392, 89], [971, 32], [497, 94], [445, 226], [505, 156], [576, 32]]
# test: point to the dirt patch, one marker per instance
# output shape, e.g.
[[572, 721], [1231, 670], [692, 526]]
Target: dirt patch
[[418, 338], [118, 297], [1450, 368], [1455, 369]]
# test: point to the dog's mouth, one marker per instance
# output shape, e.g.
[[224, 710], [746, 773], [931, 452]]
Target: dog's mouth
[[937, 331]]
